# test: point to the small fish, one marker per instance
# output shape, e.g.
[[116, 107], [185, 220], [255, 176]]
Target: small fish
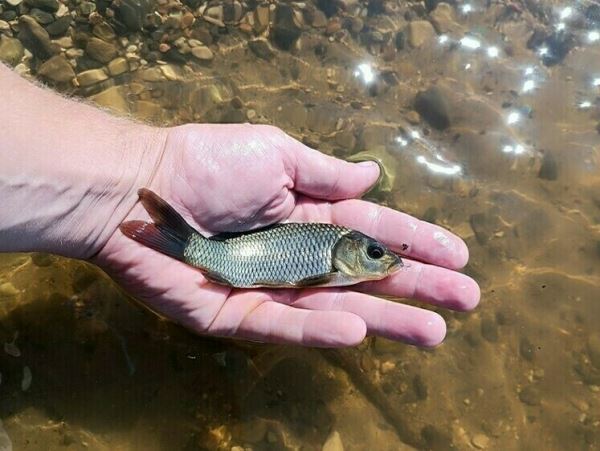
[[287, 255]]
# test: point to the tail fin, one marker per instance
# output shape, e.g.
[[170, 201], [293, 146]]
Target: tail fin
[[168, 235]]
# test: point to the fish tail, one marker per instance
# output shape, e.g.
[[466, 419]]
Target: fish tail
[[169, 234]]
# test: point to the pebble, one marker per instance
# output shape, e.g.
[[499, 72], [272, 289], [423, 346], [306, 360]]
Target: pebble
[[14, 2], [7, 289], [12, 349], [74, 53], [286, 29], [442, 18], [47, 5], [118, 66], [531, 396], [202, 53], [420, 32], [4, 26], [261, 48], [57, 69], [480, 441], [65, 42], [91, 77], [104, 31], [59, 27], [112, 98], [36, 39], [42, 17], [261, 18], [333, 442], [100, 51], [251, 115], [169, 72], [11, 50], [431, 104], [132, 13]]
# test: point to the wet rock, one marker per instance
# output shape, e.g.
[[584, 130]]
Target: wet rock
[[558, 44], [91, 77], [42, 17], [57, 69], [435, 438], [8, 290], [526, 349], [319, 20], [261, 18], [153, 74], [286, 29], [36, 39], [333, 442], [489, 329], [59, 26], [232, 11], [112, 98], [531, 396], [104, 31], [431, 104], [100, 50], [420, 32], [443, 20], [480, 441], [11, 50], [118, 66], [46, 5], [202, 53], [8, 15], [132, 13], [14, 2], [593, 346], [261, 48], [549, 167]]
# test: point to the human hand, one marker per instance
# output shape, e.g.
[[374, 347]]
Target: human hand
[[239, 177]]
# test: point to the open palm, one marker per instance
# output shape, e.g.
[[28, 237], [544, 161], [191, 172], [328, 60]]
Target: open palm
[[239, 177]]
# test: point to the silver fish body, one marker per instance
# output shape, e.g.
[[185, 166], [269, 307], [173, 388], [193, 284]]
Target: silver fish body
[[283, 255]]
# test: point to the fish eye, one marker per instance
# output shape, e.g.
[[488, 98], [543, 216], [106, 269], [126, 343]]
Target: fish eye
[[375, 251]]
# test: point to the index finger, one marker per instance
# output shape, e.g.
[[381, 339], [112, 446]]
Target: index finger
[[403, 233]]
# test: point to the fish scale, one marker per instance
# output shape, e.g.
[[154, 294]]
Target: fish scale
[[286, 253]]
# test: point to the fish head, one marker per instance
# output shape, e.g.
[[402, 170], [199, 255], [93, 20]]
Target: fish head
[[364, 258]]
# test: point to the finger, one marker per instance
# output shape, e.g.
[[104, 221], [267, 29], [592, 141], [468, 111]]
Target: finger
[[324, 177], [403, 233], [433, 284], [252, 315], [383, 318]]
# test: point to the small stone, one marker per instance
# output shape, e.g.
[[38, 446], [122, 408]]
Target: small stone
[[531, 396], [46, 5], [57, 69], [65, 42], [59, 26], [4, 26], [42, 17], [7, 289], [112, 98], [91, 77], [442, 18], [132, 13], [261, 18], [36, 39], [232, 11], [153, 74], [261, 48], [104, 31], [420, 32], [202, 53], [251, 115], [118, 66], [164, 47], [74, 53], [413, 117], [333, 442], [387, 366], [549, 167], [286, 29], [14, 2], [480, 441], [11, 50], [169, 72], [12, 349], [431, 104], [100, 51], [187, 20], [319, 19], [333, 26], [86, 8]]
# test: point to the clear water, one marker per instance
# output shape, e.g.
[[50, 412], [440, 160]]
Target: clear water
[[516, 175]]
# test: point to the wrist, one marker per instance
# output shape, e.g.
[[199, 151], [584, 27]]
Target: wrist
[[70, 172]]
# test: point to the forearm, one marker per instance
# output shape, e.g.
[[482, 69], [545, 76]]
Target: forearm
[[69, 172]]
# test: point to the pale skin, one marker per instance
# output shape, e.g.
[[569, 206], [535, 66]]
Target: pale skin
[[69, 177]]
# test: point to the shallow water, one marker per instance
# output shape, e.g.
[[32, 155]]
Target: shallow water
[[513, 171]]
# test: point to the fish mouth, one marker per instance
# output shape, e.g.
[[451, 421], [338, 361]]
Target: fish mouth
[[395, 266]]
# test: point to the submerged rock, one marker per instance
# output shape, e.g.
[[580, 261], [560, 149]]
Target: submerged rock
[[431, 104], [11, 50], [286, 29], [420, 32], [36, 39], [57, 69], [100, 50], [132, 13]]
